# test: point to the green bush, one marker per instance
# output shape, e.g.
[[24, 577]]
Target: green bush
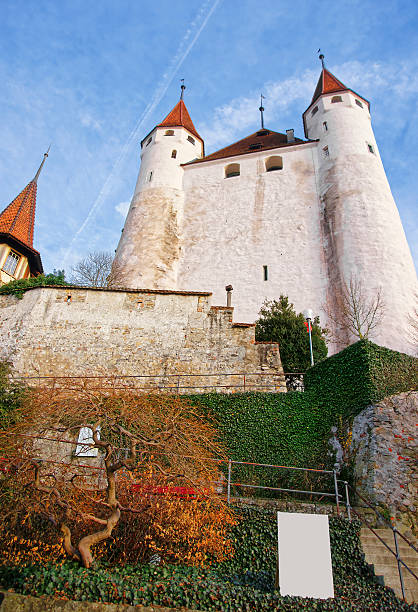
[[360, 375], [11, 394], [18, 287], [245, 583]]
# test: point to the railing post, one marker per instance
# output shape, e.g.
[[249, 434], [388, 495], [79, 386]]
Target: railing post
[[399, 562], [347, 500], [229, 480], [337, 496]]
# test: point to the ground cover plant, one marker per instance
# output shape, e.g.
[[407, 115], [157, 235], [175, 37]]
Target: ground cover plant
[[244, 582]]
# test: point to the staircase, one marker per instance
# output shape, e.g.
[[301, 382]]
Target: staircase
[[385, 563]]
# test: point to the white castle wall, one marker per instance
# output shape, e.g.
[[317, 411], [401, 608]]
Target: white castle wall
[[149, 248], [232, 227]]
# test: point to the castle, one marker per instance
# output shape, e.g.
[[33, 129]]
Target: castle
[[272, 214]]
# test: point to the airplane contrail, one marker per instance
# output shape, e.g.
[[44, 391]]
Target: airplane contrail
[[184, 48]]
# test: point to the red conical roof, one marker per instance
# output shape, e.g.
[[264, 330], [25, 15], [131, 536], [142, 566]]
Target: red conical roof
[[179, 116], [18, 219], [327, 83]]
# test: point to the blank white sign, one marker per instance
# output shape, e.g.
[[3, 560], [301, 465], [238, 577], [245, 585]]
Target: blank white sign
[[305, 568]]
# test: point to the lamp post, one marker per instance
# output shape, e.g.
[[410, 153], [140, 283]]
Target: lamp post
[[308, 316]]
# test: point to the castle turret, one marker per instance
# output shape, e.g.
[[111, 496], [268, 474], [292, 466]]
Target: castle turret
[[362, 233], [18, 258], [148, 251]]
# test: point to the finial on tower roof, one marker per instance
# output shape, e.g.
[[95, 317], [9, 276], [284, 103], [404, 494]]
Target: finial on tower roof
[[261, 109], [321, 57], [183, 87], [42, 163]]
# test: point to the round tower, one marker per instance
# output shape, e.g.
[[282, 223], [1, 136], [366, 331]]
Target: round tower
[[362, 234], [148, 251]]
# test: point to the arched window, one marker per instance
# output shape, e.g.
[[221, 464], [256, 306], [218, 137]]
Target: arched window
[[336, 99], [169, 133], [173, 153], [274, 163], [232, 170]]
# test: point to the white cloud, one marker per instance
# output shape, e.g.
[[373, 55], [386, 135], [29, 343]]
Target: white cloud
[[122, 208], [88, 121]]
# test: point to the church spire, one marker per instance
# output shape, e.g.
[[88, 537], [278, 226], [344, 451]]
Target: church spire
[[18, 218]]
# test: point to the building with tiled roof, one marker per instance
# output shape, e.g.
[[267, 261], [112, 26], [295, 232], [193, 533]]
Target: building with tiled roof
[[18, 258], [272, 214]]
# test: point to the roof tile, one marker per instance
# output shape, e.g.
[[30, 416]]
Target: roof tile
[[179, 116]]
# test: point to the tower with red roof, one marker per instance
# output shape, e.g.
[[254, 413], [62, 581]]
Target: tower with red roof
[[272, 214], [18, 258]]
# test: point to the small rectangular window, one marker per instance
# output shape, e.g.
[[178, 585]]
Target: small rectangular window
[[370, 148], [190, 139], [359, 103], [325, 126], [265, 273], [149, 141], [150, 177], [11, 262], [85, 439], [314, 111], [325, 152]]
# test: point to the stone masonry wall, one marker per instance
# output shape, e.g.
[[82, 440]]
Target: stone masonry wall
[[178, 340], [384, 449]]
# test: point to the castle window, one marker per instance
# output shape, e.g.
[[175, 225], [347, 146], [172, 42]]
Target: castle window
[[314, 111], [169, 133], [335, 99], [325, 126], [232, 170], [150, 177], [274, 163], [325, 152], [265, 273], [190, 139], [149, 141], [255, 146], [370, 148], [11, 262], [174, 154], [359, 103]]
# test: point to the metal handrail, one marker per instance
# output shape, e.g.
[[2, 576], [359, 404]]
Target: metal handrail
[[395, 532]]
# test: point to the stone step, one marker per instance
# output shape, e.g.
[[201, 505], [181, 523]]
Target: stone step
[[388, 559]]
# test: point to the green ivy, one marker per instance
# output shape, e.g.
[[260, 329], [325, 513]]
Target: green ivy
[[360, 375], [18, 287], [244, 583]]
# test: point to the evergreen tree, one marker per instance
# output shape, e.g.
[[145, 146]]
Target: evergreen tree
[[279, 322]]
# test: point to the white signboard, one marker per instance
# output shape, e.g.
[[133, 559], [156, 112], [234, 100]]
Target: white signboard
[[305, 568]]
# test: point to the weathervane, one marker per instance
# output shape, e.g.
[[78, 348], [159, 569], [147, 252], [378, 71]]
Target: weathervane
[[183, 87], [261, 109], [321, 57], [40, 167]]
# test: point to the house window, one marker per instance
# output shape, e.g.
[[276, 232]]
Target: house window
[[314, 111], [11, 262], [274, 163], [169, 133], [85, 438], [174, 154], [232, 170], [335, 99], [190, 139], [325, 124], [265, 273], [359, 103], [370, 148], [149, 141], [325, 152], [255, 146]]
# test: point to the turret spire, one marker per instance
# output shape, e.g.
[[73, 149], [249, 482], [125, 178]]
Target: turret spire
[[261, 109], [35, 179], [183, 87], [322, 57]]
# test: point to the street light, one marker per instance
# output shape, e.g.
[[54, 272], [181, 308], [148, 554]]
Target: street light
[[308, 314]]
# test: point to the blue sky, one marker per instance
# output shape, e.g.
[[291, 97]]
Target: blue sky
[[93, 77]]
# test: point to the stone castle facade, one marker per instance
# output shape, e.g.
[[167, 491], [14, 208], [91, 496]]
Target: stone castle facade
[[272, 214]]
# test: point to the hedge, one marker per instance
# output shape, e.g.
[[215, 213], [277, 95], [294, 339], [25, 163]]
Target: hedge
[[244, 583], [360, 375]]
